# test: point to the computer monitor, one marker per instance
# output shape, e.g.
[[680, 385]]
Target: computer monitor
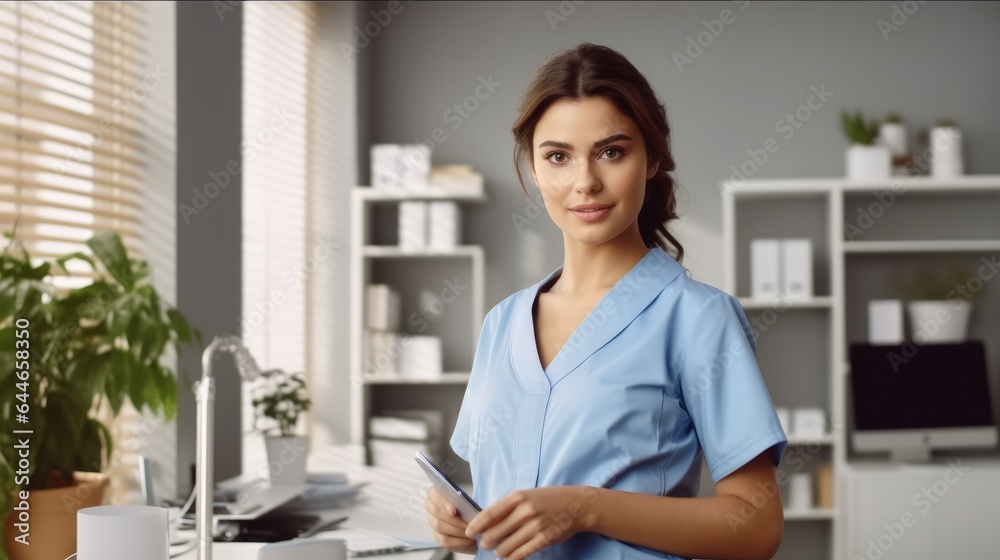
[[911, 399]]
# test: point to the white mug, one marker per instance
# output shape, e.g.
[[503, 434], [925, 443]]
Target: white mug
[[122, 533]]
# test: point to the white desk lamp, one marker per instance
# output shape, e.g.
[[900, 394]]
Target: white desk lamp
[[205, 396]]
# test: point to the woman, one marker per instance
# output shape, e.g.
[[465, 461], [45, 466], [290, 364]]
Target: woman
[[595, 393]]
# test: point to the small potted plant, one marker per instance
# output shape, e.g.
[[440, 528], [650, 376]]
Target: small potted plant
[[946, 150], [865, 161], [279, 400], [937, 309], [80, 348], [892, 135]]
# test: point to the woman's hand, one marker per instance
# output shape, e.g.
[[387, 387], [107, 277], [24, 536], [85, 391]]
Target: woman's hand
[[448, 527], [526, 521]]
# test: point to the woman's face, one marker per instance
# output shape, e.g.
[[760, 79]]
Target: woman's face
[[589, 161]]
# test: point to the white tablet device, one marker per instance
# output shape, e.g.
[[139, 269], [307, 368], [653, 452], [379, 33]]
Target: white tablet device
[[466, 506]]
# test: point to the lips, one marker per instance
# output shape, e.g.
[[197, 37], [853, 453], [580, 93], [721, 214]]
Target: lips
[[591, 212]]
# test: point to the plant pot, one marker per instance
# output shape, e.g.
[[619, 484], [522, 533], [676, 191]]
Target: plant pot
[[868, 163], [938, 322], [946, 150], [286, 459], [53, 518], [893, 136]]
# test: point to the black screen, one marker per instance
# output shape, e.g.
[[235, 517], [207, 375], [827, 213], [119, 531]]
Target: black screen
[[913, 387]]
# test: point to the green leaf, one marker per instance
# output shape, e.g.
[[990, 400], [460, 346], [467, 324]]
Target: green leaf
[[139, 379], [179, 324], [116, 384], [120, 314], [89, 458], [61, 261], [109, 442], [110, 250]]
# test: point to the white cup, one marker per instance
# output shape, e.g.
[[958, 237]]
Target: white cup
[[122, 533]]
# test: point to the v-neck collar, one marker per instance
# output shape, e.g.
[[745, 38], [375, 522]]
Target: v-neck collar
[[615, 311]]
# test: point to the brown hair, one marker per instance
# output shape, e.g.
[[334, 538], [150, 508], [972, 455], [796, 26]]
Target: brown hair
[[598, 71]]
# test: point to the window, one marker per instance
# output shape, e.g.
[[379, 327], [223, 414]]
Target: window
[[299, 165], [279, 40], [72, 81]]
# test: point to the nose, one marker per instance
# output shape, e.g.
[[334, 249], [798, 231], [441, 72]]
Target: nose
[[585, 181]]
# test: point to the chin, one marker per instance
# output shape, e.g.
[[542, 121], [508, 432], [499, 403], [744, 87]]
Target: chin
[[594, 234]]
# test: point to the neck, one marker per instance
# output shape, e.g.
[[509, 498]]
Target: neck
[[589, 267]]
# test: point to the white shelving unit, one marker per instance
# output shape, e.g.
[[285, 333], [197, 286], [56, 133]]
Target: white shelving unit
[[925, 220], [366, 255]]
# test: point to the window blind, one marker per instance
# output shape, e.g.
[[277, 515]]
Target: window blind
[[71, 83], [278, 42]]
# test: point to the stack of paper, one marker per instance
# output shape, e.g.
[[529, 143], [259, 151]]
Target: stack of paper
[[412, 225], [457, 179], [383, 307], [396, 435], [444, 224], [420, 357], [382, 352], [405, 167], [381, 343]]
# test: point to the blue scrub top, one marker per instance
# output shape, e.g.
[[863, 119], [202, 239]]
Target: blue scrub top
[[660, 373]]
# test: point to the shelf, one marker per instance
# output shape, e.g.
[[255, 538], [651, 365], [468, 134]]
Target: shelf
[[810, 514], [937, 246], [825, 439], [393, 251], [817, 302], [900, 185], [448, 378], [783, 187], [925, 184], [372, 195]]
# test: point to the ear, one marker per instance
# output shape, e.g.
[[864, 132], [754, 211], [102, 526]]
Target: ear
[[651, 169]]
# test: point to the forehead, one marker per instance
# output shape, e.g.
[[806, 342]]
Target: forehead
[[583, 121]]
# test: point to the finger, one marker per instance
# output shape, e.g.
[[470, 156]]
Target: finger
[[538, 542], [506, 527], [445, 528], [519, 536], [499, 510], [440, 507], [442, 503], [434, 512], [458, 543]]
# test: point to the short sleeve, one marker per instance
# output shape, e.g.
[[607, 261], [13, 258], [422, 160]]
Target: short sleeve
[[462, 440], [723, 390]]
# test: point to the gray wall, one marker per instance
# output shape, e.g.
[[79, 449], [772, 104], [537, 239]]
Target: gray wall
[[209, 288], [940, 62]]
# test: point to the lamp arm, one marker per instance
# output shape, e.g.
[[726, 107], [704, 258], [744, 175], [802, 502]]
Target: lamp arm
[[204, 467]]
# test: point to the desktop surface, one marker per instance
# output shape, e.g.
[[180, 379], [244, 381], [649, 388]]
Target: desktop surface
[[392, 503]]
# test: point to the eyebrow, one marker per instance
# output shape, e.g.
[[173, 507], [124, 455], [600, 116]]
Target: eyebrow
[[598, 144]]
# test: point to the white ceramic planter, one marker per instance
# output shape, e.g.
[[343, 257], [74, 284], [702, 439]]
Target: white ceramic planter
[[938, 322], [286, 459], [946, 150], [893, 136], [868, 163]]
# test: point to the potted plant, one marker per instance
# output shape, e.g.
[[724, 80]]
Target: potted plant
[[938, 312], [100, 344], [892, 135], [865, 161], [279, 399], [946, 150]]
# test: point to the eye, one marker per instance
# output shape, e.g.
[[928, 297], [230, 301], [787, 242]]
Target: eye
[[613, 153], [556, 157]]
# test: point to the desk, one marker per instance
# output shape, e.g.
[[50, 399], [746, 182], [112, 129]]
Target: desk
[[393, 503], [248, 551]]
